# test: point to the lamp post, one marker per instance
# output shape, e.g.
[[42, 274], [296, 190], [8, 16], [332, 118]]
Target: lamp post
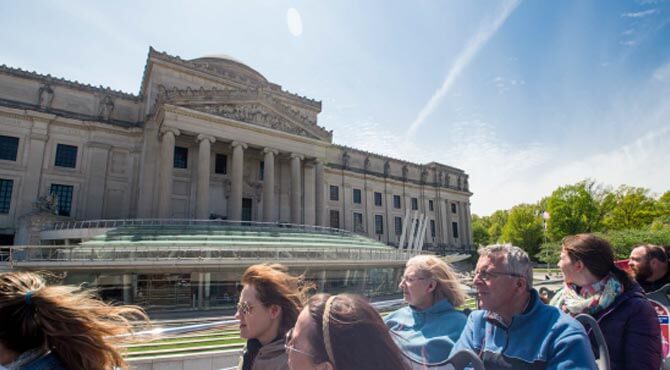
[[545, 219]]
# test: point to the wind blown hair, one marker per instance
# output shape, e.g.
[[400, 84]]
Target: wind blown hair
[[515, 260], [596, 254], [448, 286], [78, 327], [358, 338], [276, 287]]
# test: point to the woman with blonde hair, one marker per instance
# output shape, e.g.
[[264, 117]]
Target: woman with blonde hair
[[428, 327], [269, 305], [59, 327]]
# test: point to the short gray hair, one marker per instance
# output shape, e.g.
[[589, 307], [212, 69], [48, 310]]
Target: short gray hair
[[515, 260]]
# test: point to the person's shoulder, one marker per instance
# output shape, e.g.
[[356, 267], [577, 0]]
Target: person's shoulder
[[398, 314], [48, 362]]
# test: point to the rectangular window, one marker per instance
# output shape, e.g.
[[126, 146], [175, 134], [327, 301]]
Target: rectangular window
[[261, 171], [6, 187], [221, 164], [9, 146], [396, 201], [379, 224], [430, 205], [432, 228], [454, 229], [415, 204], [358, 222], [180, 157], [334, 219], [378, 199], [398, 225], [357, 196], [334, 193], [66, 156], [453, 207], [64, 195]]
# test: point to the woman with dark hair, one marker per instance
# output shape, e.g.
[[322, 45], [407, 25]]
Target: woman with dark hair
[[341, 332], [427, 328], [59, 327], [595, 286], [269, 305]]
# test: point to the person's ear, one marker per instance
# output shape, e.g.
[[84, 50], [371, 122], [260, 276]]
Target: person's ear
[[324, 366], [579, 266], [275, 311], [432, 285]]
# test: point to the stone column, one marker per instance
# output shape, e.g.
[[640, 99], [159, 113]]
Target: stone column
[[310, 187], [269, 185], [98, 157], [128, 292], [34, 160], [236, 174], [296, 188], [204, 159], [167, 163], [319, 196]]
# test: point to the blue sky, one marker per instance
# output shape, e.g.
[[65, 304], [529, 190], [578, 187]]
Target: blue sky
[[523, 95]]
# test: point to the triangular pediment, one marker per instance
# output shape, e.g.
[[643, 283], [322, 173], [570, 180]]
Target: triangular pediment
[[253, 106]]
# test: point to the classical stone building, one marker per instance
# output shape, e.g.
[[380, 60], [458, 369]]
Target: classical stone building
[[204, 138]]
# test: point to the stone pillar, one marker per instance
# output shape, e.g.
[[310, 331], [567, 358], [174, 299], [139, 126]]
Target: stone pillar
[[319, 196], [468, 224], [167, 163], [310, 187], [296, 188], [128, 291], [236, 175], [269, 185], [447, 216], [31, 183], [98, 155], [204, 159]]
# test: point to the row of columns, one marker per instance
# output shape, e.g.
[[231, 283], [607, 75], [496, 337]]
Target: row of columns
[[314, 192]]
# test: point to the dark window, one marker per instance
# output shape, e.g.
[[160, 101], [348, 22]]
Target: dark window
[[358, 222], [379, 224], [221, 164], [180, 157], [357, 196], [396, 201], [64, 195], [66, 156], [453, 207], [398, 225], [335, 219], [415, 204], [430, 205], [432, 228], [378, 199], [9, 146], [334, 192], [6, 187], [261, 171], [454, 229]]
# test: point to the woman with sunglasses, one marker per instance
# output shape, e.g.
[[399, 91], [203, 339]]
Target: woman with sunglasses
[[428, 327], [595, 286], [269, 305], [341, 332]]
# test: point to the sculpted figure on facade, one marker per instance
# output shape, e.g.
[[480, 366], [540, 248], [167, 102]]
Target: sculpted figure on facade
[[45, 96], [466, 185], [459, 185], [387, 168], [404, 172], [366, 164], [345, 159], [106, 108], [446, 179]]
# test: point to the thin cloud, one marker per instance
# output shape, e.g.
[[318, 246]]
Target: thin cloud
[[641, 14], [462, 61], [662, 73]]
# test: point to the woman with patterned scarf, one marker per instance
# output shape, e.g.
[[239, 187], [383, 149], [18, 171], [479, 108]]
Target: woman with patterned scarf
[[595, 286]]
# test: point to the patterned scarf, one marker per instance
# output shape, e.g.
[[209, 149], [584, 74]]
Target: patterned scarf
[[591, 299]]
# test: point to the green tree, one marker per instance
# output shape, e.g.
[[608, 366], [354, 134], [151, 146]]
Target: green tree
[[480, 233], [524, 228], [574, 209], [497, 222], [633, 208]]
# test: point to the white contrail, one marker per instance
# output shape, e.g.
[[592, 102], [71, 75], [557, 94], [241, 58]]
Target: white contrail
[[462, 61]]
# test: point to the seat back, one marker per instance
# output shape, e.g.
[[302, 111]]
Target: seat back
[[601, 352]]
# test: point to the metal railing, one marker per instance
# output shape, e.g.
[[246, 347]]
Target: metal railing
[[107, 224]]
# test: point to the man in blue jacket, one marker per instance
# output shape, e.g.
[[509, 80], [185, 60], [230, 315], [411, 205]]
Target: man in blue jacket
[[514, 329]]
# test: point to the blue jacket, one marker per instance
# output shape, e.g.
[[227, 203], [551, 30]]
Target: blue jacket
[[541, 337], [632, 332], [426, 336], [48, 362]]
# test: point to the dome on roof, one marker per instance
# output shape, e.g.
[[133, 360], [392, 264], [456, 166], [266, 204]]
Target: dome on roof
[[224, 63]]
